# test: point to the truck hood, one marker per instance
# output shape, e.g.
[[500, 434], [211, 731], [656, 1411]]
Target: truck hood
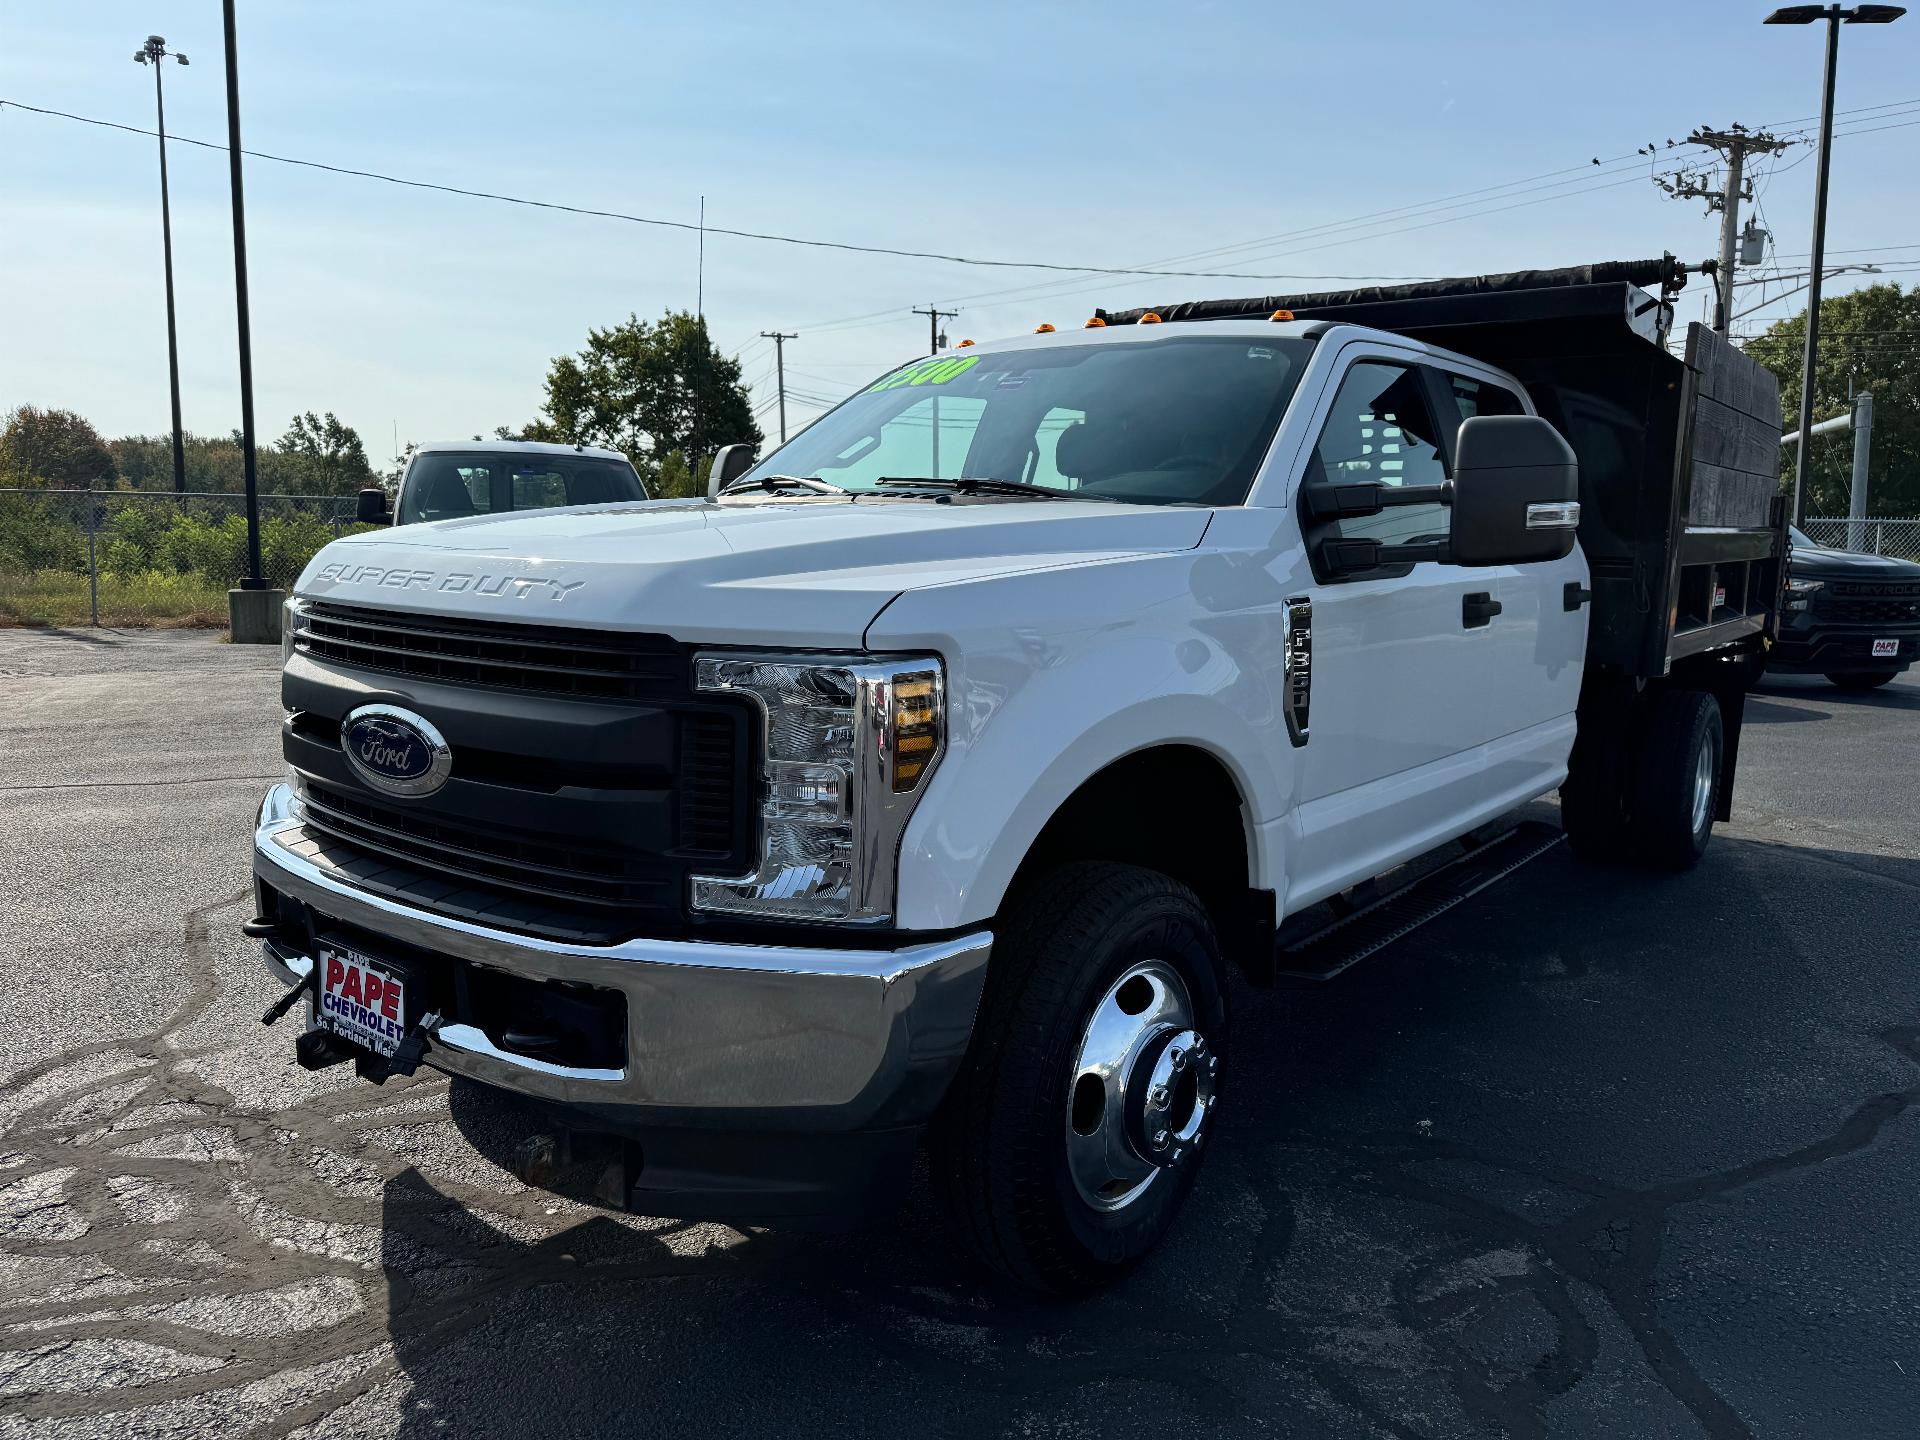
[[781, 572], [1818, 562]]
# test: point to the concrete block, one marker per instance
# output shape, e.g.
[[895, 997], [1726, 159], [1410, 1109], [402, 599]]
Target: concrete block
[[253, 616]]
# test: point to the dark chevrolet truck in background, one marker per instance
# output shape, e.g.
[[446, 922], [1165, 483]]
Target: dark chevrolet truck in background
[[1853, 618]]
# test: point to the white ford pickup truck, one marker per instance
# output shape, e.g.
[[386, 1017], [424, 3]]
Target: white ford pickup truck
[[933, 780]]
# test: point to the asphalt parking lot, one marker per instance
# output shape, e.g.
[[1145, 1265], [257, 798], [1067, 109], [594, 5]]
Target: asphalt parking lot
[[1597, 1154]]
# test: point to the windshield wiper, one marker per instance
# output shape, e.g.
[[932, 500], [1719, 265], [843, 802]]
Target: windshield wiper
[[778, 482], [976, 485]]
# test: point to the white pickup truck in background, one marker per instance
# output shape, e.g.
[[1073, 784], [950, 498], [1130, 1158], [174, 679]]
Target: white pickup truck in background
[[458, 479], [928, 782]]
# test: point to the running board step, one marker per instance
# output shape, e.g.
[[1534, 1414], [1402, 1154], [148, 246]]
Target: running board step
[[1328, 951]]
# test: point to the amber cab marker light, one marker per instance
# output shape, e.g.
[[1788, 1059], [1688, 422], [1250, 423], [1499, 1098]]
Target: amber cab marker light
[[1043, 329], [1096, 323], [963, 344], [1150, 318], [1281, 315]]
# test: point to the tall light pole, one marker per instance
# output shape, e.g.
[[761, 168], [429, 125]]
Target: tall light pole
[[254, 579], [1835, 16], [152, 53]]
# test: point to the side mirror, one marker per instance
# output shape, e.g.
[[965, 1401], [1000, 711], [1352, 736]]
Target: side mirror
[[373, 507], [729, 465], [1516, 487]]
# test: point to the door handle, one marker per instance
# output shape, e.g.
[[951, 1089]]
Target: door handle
[[1477, 609]]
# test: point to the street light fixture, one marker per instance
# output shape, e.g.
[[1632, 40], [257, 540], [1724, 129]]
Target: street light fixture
[[1835, 16], [152, 53]]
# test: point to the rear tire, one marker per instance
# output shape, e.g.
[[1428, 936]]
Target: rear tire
[[1677, 788], [1862, 679], [1010, 1147]]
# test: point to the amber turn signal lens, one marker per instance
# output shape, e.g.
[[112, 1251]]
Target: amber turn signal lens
[[916, 728]]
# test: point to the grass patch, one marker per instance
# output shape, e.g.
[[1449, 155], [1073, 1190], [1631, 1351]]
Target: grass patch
[[150, 597]]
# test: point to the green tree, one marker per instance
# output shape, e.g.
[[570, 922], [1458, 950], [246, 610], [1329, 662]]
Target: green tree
[[55, 448], [1869, 340], [659, 391], [319, 455]]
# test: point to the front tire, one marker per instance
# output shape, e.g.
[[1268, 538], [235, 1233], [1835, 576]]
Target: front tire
[[1075, 1127]]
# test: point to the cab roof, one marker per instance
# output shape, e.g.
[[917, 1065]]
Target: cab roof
[[515, 447]]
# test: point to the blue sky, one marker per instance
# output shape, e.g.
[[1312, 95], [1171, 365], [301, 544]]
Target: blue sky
[[1115, 135]]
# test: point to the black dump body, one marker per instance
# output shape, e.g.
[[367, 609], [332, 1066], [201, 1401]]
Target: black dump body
[[1679, 458]]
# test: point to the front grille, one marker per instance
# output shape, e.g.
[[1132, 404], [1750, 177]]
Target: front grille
[[532, 866], [546, 659], [1860, 603], [589, 780], [708, 779]]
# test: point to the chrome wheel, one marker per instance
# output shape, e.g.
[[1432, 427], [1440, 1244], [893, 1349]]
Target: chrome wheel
[[1141, 1089], [1703, 771]]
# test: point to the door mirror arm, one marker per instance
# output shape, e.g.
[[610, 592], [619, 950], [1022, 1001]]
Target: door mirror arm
[[1328, 501], [1341, 559]]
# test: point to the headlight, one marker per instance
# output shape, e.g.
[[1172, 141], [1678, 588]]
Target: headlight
[[290, 614], [1800, 592], [848, 745]]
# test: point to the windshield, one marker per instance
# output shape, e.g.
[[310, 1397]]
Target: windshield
[[1185, 420], [445, 485], [1797, 536]]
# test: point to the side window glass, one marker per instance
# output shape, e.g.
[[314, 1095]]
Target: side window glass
[[1381, 430], [1478, 397]]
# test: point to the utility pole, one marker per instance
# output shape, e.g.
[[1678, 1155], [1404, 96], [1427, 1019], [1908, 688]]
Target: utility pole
[[934, 317], [1734, 144], [152, 53], [780, 369]]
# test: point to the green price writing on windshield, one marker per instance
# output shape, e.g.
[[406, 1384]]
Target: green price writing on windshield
[[926, 372]]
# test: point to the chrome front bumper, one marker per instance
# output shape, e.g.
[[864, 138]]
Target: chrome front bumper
[[722, 1035]]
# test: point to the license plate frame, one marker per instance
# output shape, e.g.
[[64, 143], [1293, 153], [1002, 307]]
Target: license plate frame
[[345, 977], [1886, 649]]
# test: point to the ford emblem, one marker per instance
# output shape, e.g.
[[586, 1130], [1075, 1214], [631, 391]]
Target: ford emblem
[[395, 750]]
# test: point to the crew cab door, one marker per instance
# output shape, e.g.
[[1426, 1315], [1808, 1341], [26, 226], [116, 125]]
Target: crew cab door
[[1409, 675], [1536, 640]]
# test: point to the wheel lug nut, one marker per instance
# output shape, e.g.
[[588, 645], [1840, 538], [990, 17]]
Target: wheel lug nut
[[1159, 1097], [1177, 1058], [1160, 1138]]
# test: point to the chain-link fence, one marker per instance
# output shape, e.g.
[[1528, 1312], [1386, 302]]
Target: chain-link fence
[[144, 557], [1875, 535]]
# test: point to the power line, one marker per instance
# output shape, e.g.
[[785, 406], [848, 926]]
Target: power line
[[655, 221]]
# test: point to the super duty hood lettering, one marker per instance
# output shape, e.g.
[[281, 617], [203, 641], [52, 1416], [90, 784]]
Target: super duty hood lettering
[[452, 582]]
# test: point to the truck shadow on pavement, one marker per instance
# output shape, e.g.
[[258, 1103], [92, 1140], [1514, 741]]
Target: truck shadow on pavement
[[1445, 1202], [1575, 1156]]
